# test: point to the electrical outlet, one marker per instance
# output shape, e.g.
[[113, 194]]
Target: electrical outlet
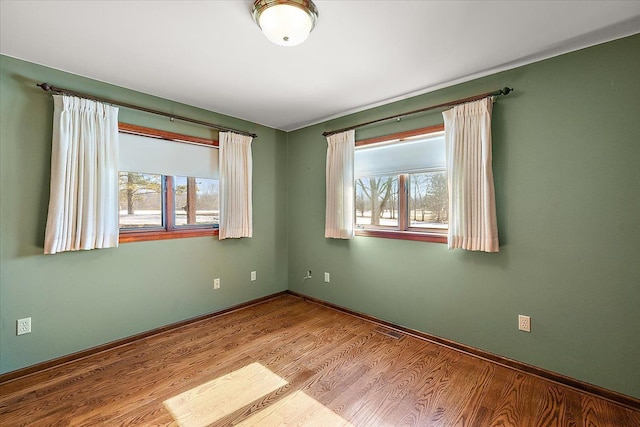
[[524, 323], [216, 283], [327, 277], [308, 276], [23, 326], [253, 276]]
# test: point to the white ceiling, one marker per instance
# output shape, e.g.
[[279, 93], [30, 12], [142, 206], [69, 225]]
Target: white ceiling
[[211, 54]]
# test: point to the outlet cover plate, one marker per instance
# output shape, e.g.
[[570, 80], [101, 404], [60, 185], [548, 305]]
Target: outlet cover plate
[[23, 326], [253, 276], [524, 323], [327, 277], [216, 283]]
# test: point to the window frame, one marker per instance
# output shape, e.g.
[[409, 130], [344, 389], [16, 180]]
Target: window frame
[[169, 230], [404, 231]]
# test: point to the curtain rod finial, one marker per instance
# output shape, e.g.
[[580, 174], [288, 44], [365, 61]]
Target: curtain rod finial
[[506, 90], [44, 86]]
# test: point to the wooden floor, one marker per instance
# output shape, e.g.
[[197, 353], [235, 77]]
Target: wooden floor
[[291, 362]]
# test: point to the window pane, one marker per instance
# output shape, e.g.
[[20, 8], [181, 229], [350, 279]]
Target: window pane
[[428, 200], [140, 200], [377, 201], [196, 201]]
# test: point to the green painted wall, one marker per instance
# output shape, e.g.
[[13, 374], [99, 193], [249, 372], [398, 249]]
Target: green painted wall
[[79, 300], [567, 175]]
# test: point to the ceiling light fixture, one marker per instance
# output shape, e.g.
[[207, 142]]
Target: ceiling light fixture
[[285, 22]]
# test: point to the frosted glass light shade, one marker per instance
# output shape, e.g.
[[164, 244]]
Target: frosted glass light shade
[[285, 23]]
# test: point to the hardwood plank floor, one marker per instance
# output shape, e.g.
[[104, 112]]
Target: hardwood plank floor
[[292, 362]]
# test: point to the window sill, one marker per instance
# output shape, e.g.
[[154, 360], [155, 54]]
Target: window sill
[[403, 235], [145, 236]]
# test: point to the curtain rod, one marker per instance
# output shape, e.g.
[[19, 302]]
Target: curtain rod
[[503, 91], [58, 90]]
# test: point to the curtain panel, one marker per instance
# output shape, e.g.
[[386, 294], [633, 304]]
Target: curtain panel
[[83, 200], [472, 211], [340, 212], [236, 209]]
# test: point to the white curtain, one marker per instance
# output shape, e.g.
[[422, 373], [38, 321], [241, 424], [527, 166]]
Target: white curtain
[[472, 211], [339, 217], [235, 186], [83, 200]]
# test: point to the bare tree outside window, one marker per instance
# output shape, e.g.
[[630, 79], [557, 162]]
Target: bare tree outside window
[[428, 199], [376, 199]]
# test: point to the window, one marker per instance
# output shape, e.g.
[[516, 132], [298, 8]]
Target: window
[[401, 186], [196, 200], [168, 185], [140, 199]]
